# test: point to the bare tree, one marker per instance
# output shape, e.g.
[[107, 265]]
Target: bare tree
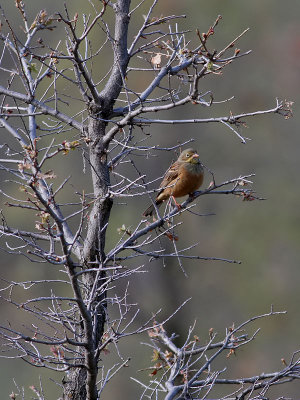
[[102, 118]]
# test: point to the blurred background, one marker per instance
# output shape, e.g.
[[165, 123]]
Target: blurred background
[[264, 235]]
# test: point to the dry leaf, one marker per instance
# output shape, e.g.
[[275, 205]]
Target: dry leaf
[[156, 60]]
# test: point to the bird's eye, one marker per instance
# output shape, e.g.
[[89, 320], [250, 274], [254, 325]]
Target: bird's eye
[[187, 155]]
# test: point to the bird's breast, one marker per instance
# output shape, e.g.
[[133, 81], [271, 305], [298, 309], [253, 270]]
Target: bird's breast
[[188, 181]]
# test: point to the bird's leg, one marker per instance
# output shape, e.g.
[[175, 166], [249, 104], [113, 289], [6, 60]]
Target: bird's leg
[[176, 204]]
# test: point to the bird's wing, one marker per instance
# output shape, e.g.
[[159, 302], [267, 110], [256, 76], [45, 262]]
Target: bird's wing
[[171, 175]]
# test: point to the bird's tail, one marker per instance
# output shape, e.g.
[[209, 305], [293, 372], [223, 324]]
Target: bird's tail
[[150, 209]]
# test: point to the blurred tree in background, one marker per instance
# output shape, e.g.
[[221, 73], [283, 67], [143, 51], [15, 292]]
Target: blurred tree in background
[[95, 105]]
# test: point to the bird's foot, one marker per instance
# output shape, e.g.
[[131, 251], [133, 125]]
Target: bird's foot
[[177, 204], [193, 195]]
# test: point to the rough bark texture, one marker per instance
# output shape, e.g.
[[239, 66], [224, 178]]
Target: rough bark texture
[[81, 382], [75, 385]]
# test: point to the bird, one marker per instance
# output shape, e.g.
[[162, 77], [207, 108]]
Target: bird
[[183, 178]]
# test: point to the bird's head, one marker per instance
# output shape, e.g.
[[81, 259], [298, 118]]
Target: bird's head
[[189, 156]]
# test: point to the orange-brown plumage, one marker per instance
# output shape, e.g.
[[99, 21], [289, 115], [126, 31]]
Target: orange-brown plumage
[[184, 177]]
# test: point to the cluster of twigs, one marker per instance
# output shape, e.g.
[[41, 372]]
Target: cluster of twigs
[[189, 371]]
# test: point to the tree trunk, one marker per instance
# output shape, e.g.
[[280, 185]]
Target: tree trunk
[[81, 382], [75, 385]]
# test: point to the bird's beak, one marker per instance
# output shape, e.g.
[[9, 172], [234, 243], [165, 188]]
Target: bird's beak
[[195, 158]]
